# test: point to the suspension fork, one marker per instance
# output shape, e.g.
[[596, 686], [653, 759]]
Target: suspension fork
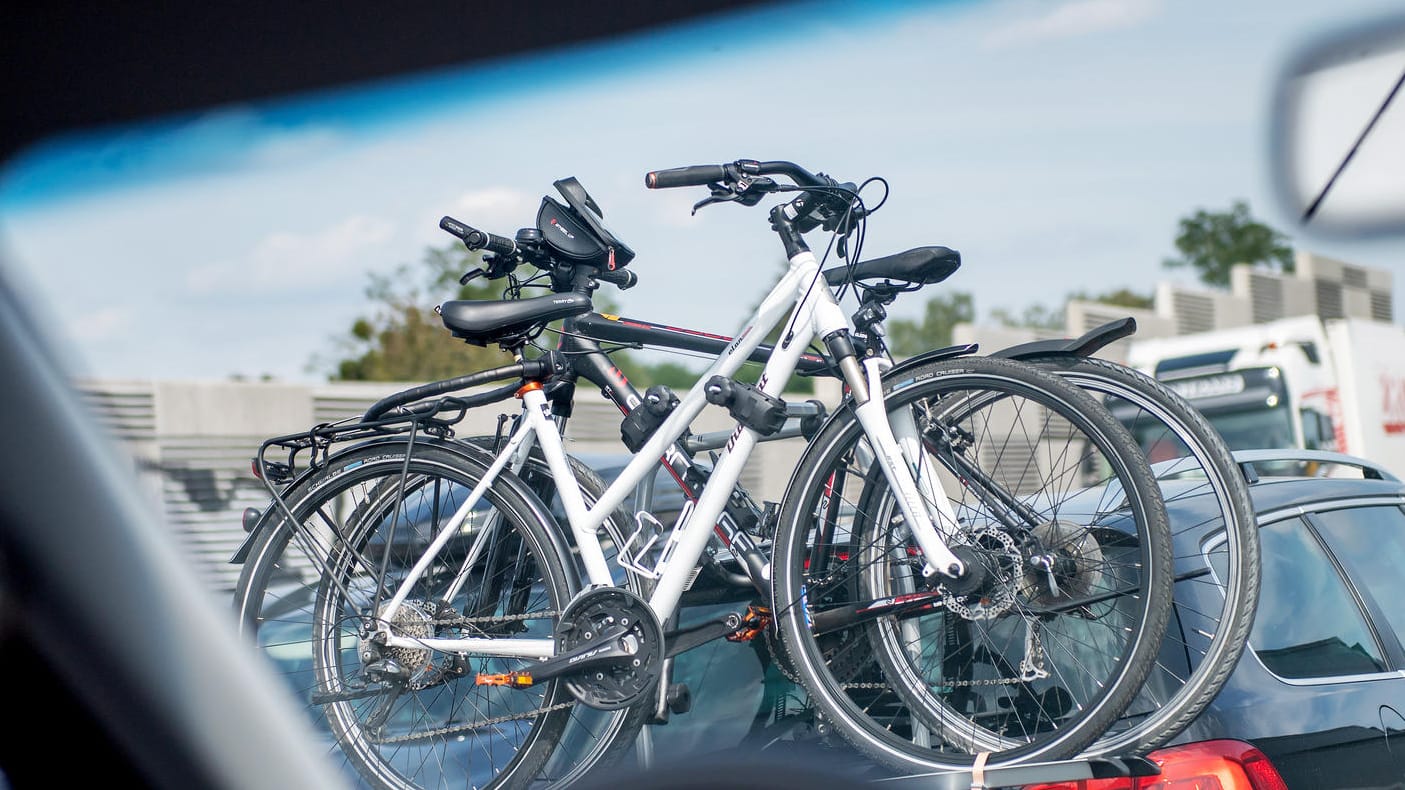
[[916, 487]]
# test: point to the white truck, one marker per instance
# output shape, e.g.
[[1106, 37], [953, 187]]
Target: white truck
[[1305, 382]]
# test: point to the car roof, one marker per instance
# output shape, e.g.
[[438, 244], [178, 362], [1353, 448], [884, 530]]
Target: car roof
[[1279, 480]]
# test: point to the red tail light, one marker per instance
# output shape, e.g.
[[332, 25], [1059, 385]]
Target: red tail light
[[1207, 765]]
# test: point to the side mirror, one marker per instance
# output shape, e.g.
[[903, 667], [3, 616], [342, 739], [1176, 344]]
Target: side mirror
[[1337, 143]]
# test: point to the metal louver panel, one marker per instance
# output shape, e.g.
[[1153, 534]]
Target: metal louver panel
[[206, 484], [1194, 312], [126, 410], [1329, 299], [1265, 298], [1382, 308]]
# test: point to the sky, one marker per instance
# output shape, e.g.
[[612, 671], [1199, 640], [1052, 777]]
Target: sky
[[1055, 143]]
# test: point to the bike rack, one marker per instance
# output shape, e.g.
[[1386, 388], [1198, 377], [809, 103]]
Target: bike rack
[[1028, 773]]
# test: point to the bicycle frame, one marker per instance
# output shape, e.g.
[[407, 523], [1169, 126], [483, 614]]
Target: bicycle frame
[[802, 294]]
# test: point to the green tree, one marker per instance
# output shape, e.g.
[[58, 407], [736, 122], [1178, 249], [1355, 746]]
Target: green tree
[[1122, 297], [907, 338], [1039, 316], [679, 378], [402, 338], [1210, 242]]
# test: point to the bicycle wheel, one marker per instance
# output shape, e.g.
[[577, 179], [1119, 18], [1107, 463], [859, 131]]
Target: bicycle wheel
[[1036, 653], [1213, 615], [404, 717], [593, 739]]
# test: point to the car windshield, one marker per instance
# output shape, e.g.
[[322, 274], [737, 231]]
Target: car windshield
[[271, 261], [1269, 428]]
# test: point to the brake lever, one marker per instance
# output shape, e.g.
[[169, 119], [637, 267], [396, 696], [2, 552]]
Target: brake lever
[[720, 194], [747, 191], [470, 276]]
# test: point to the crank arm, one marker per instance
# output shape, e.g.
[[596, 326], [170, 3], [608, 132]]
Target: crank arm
[[685, 639], [605, 649]]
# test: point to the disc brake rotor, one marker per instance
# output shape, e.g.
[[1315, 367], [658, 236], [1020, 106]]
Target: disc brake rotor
[[1000, 562]]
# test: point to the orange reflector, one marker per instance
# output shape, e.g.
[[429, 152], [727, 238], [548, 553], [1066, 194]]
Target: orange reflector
[[516, 679]]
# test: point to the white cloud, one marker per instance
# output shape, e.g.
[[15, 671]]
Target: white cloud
[[102, 324], [295, 147], [500, 210], [289, 261], [1073, 19]]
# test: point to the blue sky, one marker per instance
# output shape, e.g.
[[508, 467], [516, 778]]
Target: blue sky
[[1054, 143]]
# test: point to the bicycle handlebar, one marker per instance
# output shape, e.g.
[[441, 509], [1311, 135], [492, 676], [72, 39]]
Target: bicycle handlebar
[[623, 279], [385, 405], [701, 175], [691, 176], [475, 239]]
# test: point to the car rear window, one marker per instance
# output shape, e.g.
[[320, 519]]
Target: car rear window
[[1308, 623]]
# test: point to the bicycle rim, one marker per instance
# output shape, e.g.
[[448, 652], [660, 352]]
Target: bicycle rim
[[1031, 664], [406, 717], [1207, 497], [592, 739]]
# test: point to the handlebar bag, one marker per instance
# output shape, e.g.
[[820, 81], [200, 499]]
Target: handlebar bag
[[577, 230]]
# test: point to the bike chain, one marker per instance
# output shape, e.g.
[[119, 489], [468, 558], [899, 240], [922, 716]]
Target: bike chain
[[496, 618], [944, 684], [484, 723], [443, 731]]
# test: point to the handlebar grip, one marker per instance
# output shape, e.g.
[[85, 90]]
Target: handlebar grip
[[475, 239], [691, 176], [622, 278]]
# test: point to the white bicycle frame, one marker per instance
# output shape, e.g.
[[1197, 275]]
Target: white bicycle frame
[[801, 292]]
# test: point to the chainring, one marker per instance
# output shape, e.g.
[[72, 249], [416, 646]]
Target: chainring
[[629, 680]]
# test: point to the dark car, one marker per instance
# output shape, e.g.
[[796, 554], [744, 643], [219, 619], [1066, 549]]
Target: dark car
[[1320, 695], [1318, 701]]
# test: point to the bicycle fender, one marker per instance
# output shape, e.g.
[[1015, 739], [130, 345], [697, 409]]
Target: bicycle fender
[[935, 355], [1086, 345]]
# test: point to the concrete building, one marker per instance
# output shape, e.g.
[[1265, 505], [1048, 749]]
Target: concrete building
[[1318, 286], [192, 444]]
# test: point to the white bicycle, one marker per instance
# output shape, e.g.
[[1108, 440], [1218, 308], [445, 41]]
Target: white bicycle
[[972, 559]]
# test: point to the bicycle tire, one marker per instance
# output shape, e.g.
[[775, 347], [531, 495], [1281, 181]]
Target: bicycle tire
[[915, 715], [295, 598], [1213, 625]]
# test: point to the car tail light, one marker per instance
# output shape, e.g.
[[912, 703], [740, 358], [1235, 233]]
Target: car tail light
[[1207, 765]]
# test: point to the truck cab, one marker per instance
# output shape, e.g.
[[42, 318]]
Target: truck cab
[[1299, 382]]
